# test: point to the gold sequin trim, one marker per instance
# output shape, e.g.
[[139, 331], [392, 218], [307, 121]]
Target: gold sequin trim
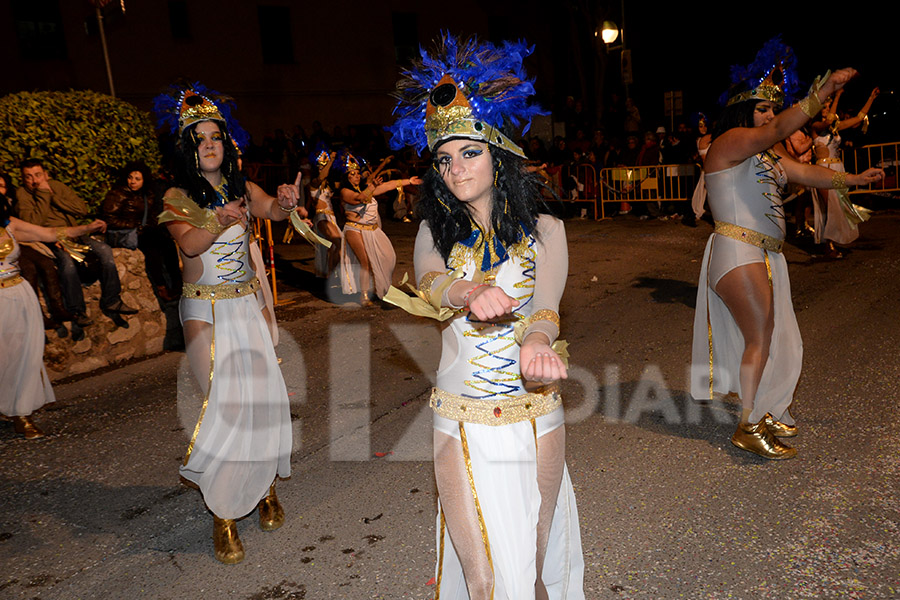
[[755, 238], [11, 281], [362, 226], [222, 291], [7, 245], [427, 282], [501, 411], [839, 180], [440, 568]]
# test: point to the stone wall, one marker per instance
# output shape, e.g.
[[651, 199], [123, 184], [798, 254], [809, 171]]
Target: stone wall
[[154, 328]]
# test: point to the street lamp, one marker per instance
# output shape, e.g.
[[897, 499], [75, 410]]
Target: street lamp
[[609, 32]]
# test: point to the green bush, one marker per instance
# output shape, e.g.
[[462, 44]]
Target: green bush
[[82, 137]]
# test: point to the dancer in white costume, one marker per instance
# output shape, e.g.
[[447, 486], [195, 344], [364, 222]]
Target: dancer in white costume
[[367, 256], [746, 338], [698, 200], [324, 221], [835, 218], [23, 378], [507, 524], [242, 439]]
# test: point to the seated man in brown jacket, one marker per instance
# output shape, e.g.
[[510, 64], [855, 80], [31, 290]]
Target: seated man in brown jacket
[[49, 203]]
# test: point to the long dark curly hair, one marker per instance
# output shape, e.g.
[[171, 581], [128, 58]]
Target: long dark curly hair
[[187, 168], [516, 203]]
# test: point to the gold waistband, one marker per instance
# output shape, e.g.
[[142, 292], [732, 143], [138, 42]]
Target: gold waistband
[[503, 411], [742, 234], [222, 291], [365, 226], [11, 281]]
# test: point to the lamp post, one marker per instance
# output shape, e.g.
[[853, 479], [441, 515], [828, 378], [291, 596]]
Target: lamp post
[[609, 33], [98, 6]]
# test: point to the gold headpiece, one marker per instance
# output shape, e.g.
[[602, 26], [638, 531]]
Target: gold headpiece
[[770, 88], [448, 114], [195, 108]]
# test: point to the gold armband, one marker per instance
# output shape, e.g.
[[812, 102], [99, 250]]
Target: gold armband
[[61, 234], [839, 180], [545, 314], [811, 105], [427, 282]]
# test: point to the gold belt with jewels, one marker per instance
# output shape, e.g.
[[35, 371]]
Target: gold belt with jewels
[[221, 291], [365, 226], [11, 281], [742, 234], [502, 411]]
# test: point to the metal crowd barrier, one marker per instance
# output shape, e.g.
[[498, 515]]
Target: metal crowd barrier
[[885, 156], [658, 183]]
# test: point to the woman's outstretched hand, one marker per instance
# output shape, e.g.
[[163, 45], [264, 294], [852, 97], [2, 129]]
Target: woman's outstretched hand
[[540, 363]]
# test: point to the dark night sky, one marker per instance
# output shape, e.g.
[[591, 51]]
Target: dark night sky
[[691, 49]]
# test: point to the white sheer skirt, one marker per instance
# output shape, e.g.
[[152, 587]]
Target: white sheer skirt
[[244, 438], [504, 476], [714, 325], [24, 385], [381, 257]]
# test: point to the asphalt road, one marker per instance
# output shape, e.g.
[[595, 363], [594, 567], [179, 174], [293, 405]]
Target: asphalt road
[[668, 508]]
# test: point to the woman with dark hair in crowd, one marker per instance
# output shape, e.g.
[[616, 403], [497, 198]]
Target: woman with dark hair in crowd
[[490, 263], [38, 266], [746, 338], [367, 256], [130, 210], [242, 440], [702, 139], [23, 378]]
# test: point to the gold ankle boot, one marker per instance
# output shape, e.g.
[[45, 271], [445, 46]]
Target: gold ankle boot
[[365, 300], [271, 514], [26, 427], [756, 438], [780, 429], [229, 549]]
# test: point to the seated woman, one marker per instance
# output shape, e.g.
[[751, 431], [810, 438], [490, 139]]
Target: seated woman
[[130, 210], [367, 256], [23, 377]]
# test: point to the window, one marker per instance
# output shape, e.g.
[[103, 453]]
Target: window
[[275, 35], [39, 29]]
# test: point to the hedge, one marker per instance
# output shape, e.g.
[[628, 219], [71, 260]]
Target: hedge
[[82, 137]]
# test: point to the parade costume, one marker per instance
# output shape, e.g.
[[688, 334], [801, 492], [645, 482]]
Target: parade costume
[[480, 401], [367, 223], [745, 202], [242, 438], [23, 378], [379, 250], [324, 212], [835, 218]]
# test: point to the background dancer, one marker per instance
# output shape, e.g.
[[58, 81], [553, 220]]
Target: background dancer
[[242, 440]]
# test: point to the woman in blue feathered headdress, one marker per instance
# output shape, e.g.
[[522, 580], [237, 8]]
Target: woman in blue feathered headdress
[[242, 440], [490, 264], [367, 256], [746, 338]]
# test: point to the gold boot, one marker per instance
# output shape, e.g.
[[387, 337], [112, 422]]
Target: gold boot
[[756, 438], [26, 427], [780, 429], [271, 514], [229, 549]]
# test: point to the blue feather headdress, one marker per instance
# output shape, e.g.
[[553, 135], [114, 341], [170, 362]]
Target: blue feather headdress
[[184, 104], [464, 89], [771, 76]]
